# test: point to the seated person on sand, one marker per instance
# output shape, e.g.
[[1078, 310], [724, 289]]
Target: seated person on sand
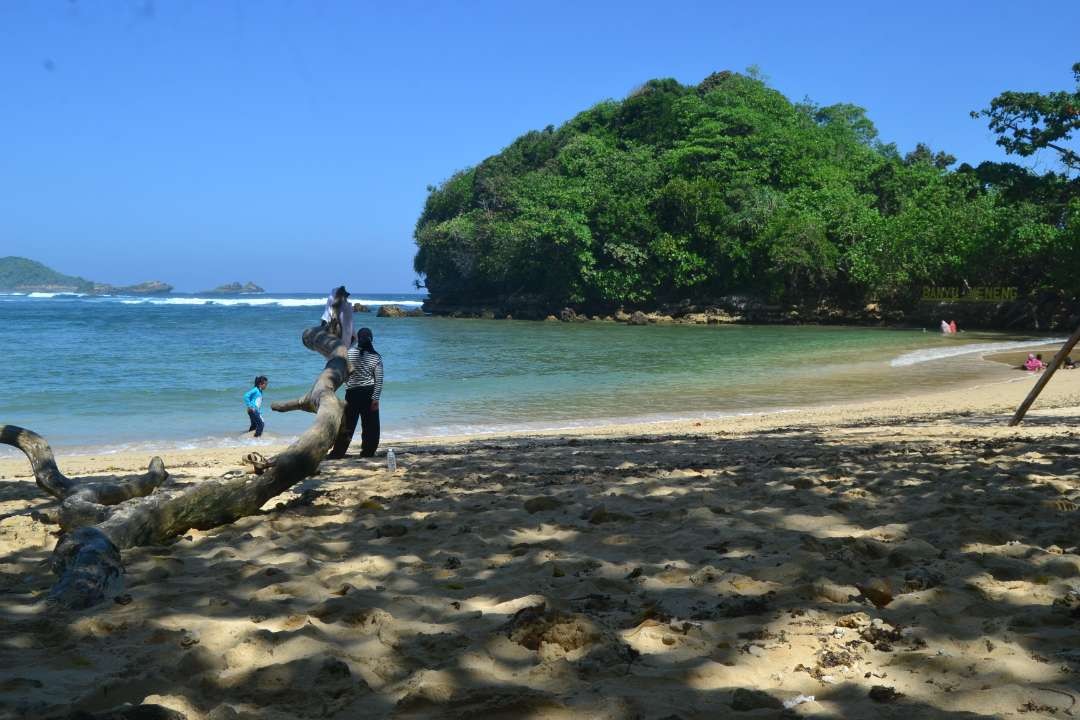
[[338, 315], [1069, 364], [1034, 363]]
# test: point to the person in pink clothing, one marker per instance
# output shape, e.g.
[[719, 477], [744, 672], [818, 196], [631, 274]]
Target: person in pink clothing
[[1034, 364]]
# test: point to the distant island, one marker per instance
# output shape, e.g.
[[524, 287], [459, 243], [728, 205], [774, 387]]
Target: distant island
[[235, 288], [19, 274]]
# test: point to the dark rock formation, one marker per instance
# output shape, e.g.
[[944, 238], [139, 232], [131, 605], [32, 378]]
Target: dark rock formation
[[390, 311], [150, 287], [1044, 311], [235, 288]]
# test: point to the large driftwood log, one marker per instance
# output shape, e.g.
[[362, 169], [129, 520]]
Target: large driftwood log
[[103, 516]]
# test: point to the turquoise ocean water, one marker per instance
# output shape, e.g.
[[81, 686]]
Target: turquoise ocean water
[[121, 373]]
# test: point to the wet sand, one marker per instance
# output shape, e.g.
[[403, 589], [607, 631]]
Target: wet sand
[[690, 569]]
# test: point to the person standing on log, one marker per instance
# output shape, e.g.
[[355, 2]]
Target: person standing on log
[[338, 315], [362, 390]]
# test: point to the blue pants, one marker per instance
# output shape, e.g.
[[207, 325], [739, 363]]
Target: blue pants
[[257, 423]]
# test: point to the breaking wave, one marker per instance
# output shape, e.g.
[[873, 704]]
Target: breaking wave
[[938, 353], [260, 301]]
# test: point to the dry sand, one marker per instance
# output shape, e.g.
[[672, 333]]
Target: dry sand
[[671, 570]]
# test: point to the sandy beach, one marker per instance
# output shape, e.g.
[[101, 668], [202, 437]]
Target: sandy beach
[[907, 558]]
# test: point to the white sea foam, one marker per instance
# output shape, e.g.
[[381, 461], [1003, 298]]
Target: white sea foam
[[218, 301], [938, 353], [403, 303], [256, 302]]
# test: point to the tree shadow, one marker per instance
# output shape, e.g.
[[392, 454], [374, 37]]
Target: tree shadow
[[649, 576]]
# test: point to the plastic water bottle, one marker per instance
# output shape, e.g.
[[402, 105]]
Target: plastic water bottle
[[391, 461]]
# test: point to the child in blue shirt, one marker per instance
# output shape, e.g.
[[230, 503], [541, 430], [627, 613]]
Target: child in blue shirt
[[253, 400]]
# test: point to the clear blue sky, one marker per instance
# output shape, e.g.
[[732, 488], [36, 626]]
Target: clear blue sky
[[290, 142]]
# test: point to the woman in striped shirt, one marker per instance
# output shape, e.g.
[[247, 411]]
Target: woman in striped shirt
[[362, 390]]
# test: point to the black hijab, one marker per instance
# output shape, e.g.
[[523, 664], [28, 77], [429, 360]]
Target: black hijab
[[363, 341]]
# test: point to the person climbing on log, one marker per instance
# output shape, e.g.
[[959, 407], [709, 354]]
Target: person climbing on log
[[337, 317]]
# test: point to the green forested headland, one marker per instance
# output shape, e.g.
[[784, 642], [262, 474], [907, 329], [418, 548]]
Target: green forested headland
[[727, 187], [24, 275]]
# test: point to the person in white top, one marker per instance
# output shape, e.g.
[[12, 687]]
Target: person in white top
[[338, 315]]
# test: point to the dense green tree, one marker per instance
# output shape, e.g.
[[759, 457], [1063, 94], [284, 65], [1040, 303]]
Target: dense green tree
[[725, 188]]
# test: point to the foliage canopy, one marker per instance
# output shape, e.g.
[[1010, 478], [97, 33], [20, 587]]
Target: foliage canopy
[[727, 187]]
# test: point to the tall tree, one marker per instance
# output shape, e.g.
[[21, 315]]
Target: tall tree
[[1027, 122]]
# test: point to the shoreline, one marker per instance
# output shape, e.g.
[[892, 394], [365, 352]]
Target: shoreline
[[1050, 311], [992, 358], [991, 398]]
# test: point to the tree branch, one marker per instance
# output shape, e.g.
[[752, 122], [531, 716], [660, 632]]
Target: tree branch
[[109, 490], [305, 403]]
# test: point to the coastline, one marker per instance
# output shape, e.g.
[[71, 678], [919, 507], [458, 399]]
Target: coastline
[[993, 399], [1040, 312]]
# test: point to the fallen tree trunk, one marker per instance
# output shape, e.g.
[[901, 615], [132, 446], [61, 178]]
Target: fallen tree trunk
[[103, 516]]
